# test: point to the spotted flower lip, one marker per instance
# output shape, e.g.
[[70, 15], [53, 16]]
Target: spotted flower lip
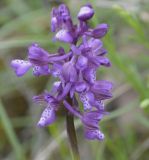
[[47, 117], [75, 70], [20, 66]]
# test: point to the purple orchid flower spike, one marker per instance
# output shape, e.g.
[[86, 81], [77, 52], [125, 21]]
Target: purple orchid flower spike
[[75, 72]]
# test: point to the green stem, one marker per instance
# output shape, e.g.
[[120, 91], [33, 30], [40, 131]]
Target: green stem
[[72, 133], [72, 136]]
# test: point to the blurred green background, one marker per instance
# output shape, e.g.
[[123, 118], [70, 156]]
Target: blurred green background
[[126, 128]]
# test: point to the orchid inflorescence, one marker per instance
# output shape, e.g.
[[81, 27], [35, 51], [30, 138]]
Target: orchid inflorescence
[[76, 70]]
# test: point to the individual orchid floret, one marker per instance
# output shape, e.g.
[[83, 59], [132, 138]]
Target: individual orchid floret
[[48, 116], [102, 89], [37, 55], [86, 12], [99, 32], [91, 127]]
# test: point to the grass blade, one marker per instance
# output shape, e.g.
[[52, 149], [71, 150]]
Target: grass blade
[[11, 134]]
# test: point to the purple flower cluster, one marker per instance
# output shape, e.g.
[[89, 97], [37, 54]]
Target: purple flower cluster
[[76, 70]]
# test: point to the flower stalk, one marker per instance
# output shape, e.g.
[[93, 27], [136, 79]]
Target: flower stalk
[[72, 136], [71, 132]]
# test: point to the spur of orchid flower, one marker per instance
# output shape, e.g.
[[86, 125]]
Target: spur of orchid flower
[[75, 70]]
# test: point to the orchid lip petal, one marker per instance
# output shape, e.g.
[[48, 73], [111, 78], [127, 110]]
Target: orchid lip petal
[[94, 134], [47, 117], [86, 98], [20, 66]]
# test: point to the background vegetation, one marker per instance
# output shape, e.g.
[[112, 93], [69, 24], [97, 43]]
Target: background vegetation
[[127, 127]]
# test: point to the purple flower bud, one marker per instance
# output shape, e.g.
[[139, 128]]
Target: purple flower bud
[[47, 117], [20, 66], [104, 61], [100, 60], [101, 52], [100, 30], [64, 36], [85, 13]]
